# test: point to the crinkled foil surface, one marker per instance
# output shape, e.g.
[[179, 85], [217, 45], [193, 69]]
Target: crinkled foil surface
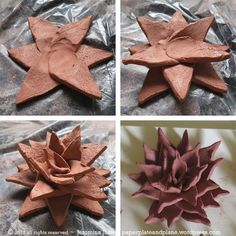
[[199, 101], [14, 32], [13, 195]]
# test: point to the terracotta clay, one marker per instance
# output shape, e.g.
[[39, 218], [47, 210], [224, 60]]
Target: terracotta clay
[[177, 53], [58, 177], [178, 180], [58, 57]]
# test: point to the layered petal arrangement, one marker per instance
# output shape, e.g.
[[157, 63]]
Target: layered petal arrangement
[[178, 180], [59, 174], [58, 56], [177, 55]]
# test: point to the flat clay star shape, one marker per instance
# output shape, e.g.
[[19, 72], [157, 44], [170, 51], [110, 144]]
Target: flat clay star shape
[[59, 174], [58, 57], [176, 56]]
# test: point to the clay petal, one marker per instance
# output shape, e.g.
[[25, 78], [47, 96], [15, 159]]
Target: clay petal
[[76, 169], [219, 191], [211, 167], [68, 69], [72, 152], [154, 30], [91, 206], [93, 56], [26, 55], [190, 196], [30, 207], [204, 186], [196, 30], [196, 218], [153, 217], [68, 138], [90, 152], [149, 154], [55, 143], [62, 180], [148, 191], [22, 167], [140, 178], [75, 32], [24, 177], [192, 157], [205, 75], [153, 56], [37, 145], [179, 78], [184, 145], [58, 207], [99, 180], [138, 48], [85, 188], [177, 21], [154, 85], [102, 172], [208, 200], [207, 153], [42, 30], [179, 169], [42, 190], [37, 82], [192, 51]]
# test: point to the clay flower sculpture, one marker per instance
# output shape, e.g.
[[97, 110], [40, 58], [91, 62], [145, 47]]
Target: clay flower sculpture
[[178, 180], [59, 174], [58, 57], [176, 56]]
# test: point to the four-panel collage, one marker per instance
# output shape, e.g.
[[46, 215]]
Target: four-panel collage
[[117, 117]]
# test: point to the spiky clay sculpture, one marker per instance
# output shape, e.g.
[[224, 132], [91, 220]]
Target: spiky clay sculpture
[[59, 174], [178, 180]]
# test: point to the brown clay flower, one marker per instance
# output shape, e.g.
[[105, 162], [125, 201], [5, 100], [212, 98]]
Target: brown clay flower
[[178, 180], [58, 57], [59, 174], [176, 56]]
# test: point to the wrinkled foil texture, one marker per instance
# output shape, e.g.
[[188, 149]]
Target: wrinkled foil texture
[[13, 195], [14, 32], [199, 101]]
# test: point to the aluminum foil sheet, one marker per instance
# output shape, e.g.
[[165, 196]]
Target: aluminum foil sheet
[[199, 101], [14, 32], [13, 195]]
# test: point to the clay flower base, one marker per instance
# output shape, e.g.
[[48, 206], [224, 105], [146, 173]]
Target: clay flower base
[[178, 180], [177, 56], [58, 57], [59, 174]]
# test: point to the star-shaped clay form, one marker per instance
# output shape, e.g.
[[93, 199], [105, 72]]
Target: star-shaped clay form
[[59, 174], [177, 55], [58, 57], [178, 180]]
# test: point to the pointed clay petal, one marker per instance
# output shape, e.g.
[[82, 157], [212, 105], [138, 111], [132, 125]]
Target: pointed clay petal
[[171, 214], [85, 188], [168, 199], [149, 154], [22, 167], [140, 178], [26, 55], [192, 157], [154, 30], [42, 30], [76, 169], [204, 186], [91, 206], [62, 180], [179, 78], [24, 177], [55, 143], [68, 69], [211, 167], [100, 181], [190, 196], [205, 75], [90, 152], [138, 48], [75, 32], [58, 207], [42, 190], [154, 56], [196, 218], [37, 81], [177, 21], [179, 168], [93, 56], [148, 191], [184, 145], [68, 138], [72, 152], [192, 51], [152, 172], [208, 200], [207, 153], [219, 191], [154, 85], [153, 217], [30, 207], [102, 172], [196, 30]]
